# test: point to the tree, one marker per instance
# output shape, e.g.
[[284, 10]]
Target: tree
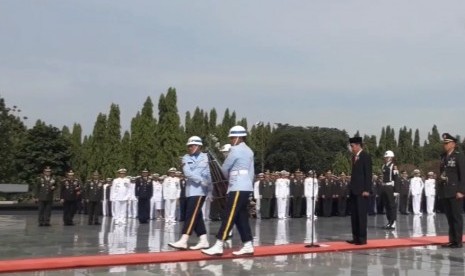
[[43, 146], [113, 154], [433, 147], [143, 143], [171, 143], [97, 148], [417, 151], [405, 153]]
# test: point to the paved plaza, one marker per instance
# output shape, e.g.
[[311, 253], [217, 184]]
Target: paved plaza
[[22, 238]]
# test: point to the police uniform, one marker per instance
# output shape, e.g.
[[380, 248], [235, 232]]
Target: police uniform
[[93, 191], [390, 175], [451, 188], [144, 192], [44, 189], [70, 192]]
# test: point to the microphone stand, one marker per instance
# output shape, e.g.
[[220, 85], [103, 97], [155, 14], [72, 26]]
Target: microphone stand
[[312, 244]]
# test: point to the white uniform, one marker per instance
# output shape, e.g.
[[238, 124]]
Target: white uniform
[[430, 193], [256, 195], [310, 183], [132, 203], [156, 201], [119, 197], [282, 194], [171, 193], [207, 204], [416, 190]]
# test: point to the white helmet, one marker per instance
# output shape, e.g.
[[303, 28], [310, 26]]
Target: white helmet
[[194, 140], [225, 148], [237, 131], [389, 153]]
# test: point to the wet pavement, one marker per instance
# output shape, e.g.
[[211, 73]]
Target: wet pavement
[[22, 238]]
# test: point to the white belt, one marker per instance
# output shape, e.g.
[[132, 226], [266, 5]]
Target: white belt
[[239, 172], [389, 183]]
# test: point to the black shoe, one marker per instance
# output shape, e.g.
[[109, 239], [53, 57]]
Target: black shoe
[[352, 241], [96, 223], [89, 223], [47, 224], [41, 224], [456, 245], [360, 243], [446, 245]]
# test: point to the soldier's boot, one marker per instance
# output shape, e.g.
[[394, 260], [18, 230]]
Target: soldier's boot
[[247, 249], [202, 244], [391, 225], [181, 244], [215, 250]]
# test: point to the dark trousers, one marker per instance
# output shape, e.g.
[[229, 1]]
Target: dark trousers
[[297, 207], [45, 211], [358, 217], [453, 211], [403, 203], [93, 210], [342, 206], [182, 208], [69, 209], [265, 208], [236, 214], [327, 206], [143, 209], [389, 202], [194, 217]]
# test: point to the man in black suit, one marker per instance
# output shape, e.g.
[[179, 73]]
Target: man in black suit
[[451, 189], [360, 188]]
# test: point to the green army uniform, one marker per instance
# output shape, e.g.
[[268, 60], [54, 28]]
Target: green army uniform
[[93, 194]]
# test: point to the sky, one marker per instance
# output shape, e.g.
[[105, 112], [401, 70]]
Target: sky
[[353, 65]]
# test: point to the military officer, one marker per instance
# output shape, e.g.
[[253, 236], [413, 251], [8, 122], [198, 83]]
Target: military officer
[[171, 193], [93, 196], [266, 190], [297, 192], [311, 193], [106, 203], [416, 190], [70, 192], [120, 194], [343, 194], [451, 189], [430, 193], [404, 188], [44, 189], [327, 186], [144, 192], [282, 194]]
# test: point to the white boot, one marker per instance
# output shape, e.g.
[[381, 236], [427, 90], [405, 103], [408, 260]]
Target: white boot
[[247, 249], [181, 244], [202, 244], [215, 250]]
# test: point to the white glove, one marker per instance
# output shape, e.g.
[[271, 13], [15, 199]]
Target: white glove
[[396, 194]]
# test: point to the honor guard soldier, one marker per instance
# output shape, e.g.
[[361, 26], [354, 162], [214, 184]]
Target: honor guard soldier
[[171, 193], [360, 187], [119, 196], [238, 168], [297, 192], [389, 190], [93, 195], [70, 192], [451, 189], [404, 191], [266, 190], [311, 193], [197, 171], [416, 190], [106, 203], [144, 192], [44, 190]]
